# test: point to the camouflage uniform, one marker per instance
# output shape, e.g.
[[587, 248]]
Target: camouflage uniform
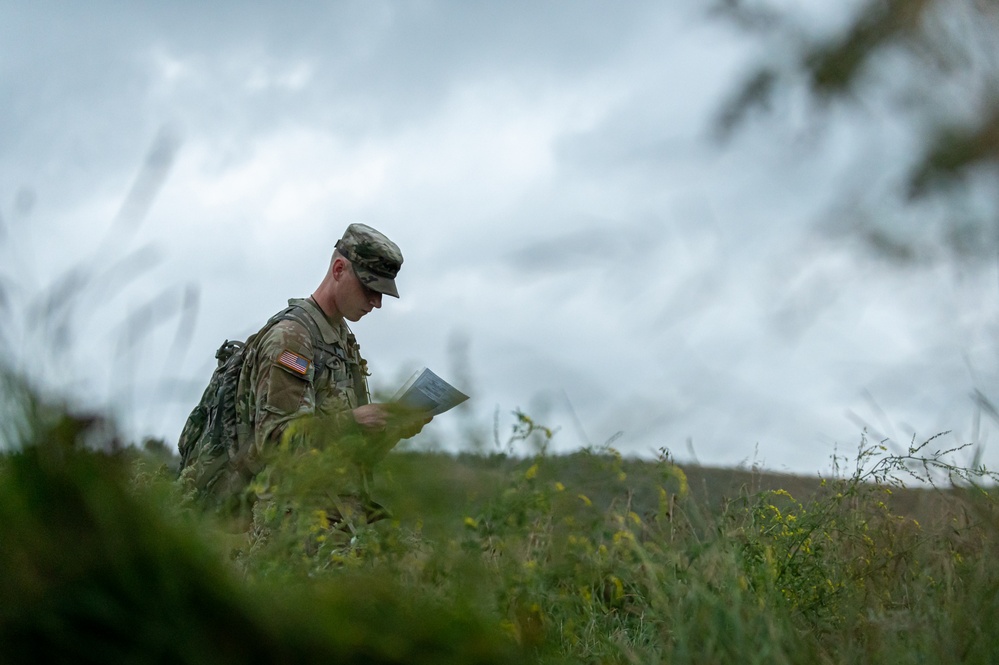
[[280, 383], [284, 379]]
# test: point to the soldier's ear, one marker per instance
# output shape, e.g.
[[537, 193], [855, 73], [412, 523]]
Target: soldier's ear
[[338, 267]]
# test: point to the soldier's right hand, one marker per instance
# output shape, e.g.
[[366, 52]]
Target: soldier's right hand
[[372, 417]]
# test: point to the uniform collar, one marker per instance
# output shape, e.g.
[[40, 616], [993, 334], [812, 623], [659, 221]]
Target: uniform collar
[[330, 330]]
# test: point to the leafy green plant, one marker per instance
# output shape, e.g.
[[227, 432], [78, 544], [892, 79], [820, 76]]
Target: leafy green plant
[[589, 557]]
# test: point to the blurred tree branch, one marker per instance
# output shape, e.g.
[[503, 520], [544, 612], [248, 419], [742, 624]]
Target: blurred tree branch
[[933, 63]]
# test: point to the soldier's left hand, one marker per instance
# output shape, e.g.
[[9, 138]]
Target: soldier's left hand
[[415, 426]]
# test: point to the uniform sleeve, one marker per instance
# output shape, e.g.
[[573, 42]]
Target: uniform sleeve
[[283, 386], [284, 389]]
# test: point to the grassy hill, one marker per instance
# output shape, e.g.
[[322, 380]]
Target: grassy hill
[[466, 481], [582, 558]]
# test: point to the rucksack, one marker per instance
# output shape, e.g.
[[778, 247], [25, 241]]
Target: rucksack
[[209, 440]]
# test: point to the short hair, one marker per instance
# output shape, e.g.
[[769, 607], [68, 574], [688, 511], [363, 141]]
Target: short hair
[[337, 254]]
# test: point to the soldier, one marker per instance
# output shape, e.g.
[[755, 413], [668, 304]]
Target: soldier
[[303, 371]]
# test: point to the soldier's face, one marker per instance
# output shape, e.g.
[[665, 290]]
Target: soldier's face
[[360, 299]]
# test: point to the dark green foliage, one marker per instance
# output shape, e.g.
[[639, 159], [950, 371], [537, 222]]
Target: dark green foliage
[[94, 571], [588, 558], [926, 67], [956, 150], [835, 66]]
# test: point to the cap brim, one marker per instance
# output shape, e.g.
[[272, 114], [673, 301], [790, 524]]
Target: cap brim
[[378, 283], [386, 286]]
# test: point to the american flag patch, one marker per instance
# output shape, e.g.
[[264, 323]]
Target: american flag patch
[[294, 362]]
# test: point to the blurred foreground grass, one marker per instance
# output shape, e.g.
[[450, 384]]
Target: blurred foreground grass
[[587, 558]]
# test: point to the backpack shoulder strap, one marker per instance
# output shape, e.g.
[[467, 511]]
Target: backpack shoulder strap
[[321, 349]]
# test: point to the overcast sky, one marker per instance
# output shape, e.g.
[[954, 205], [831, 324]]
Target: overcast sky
[[576, 245]]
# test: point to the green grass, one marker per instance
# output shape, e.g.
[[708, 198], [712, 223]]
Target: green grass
[[583, 558]]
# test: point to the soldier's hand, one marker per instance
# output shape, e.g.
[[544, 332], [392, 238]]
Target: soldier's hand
[[414, 426], [372, 417], [405, 421]]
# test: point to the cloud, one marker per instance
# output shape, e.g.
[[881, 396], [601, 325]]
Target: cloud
[[546, 172]]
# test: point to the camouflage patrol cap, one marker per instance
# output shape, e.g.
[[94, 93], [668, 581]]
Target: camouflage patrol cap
[[375, 258]]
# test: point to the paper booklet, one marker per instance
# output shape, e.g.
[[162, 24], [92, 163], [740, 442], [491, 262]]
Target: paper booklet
[[427, 392]]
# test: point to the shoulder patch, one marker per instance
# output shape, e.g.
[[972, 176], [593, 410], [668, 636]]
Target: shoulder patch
[[294, 362]]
